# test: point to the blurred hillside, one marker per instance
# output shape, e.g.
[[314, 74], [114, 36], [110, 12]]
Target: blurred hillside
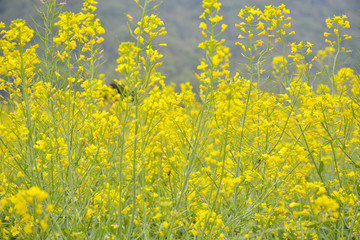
[[182, 20]]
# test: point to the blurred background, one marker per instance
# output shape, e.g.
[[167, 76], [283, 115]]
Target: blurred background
[[181, 18]]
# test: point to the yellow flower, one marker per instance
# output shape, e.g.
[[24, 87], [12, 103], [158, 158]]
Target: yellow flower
[[129, 17], [202, 66], [166, 225], [158, 215], [114, 226], [39, 209], [14, 231], [203, 25], [49, 208], [20, 174], [39, 194], [328, 204], [44, 223], [294, 204], [216, 19], [28, 229]]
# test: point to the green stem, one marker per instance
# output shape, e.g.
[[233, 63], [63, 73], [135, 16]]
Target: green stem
[[247, 104], [333, 84]]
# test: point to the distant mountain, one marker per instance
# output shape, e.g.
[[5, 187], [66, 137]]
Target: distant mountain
[[182, 20]]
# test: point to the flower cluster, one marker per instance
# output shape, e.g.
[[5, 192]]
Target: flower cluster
[[270, 23], [80, 33], [337, 23], [214, 66], [260, 33], [82, 28], [139, 55], [159, 164], [25, 214], [17, 61]]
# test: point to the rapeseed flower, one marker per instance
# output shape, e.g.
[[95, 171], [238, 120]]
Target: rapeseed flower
[[242, 162]]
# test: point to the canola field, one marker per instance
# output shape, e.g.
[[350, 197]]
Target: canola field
[[236, 161]]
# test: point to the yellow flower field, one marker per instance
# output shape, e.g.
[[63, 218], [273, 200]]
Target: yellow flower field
[[237, 161]]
